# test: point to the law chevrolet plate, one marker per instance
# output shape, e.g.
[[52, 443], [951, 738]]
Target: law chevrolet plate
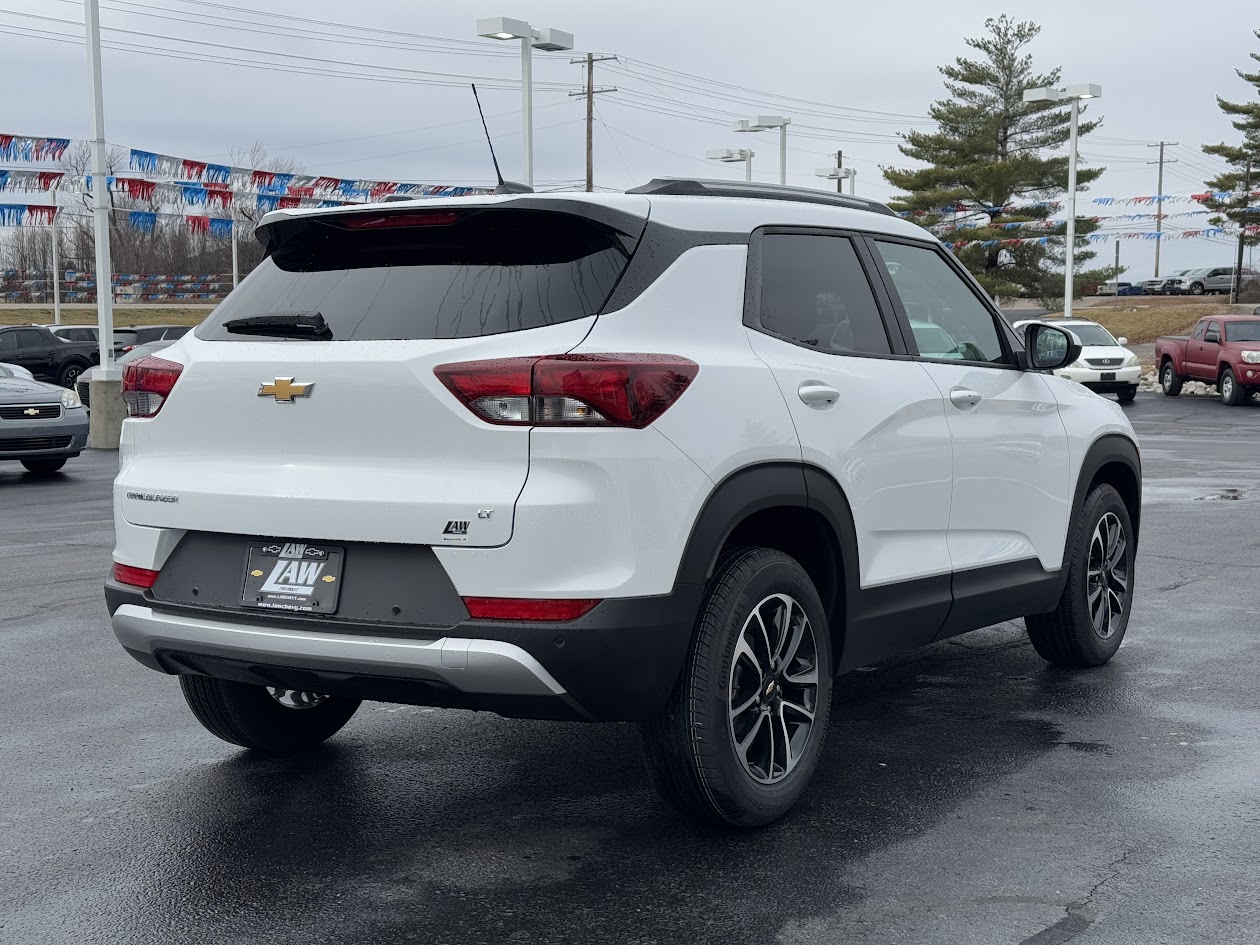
[[292, 575]]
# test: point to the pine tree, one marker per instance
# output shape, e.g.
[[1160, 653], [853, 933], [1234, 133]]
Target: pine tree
[[1243, 179], [986, 154]]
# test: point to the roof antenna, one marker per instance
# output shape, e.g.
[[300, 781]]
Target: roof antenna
[[505, 187]]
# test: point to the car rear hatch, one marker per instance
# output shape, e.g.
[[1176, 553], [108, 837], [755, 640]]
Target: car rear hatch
[[342, 432]]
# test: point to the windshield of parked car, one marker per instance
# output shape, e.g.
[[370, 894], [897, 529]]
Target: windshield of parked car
[[1243, 331], [934, 341], [139, 351], [1091, 334]]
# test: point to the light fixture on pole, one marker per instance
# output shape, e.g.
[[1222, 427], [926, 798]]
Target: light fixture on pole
[[732, 156], [765, 123], [838, 174], [548, 40], [1074, 94]]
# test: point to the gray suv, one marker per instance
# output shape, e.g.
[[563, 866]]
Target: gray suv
[[1210, 281]]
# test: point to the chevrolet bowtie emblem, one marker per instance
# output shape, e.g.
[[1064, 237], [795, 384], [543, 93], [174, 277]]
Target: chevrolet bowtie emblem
[[284, 390], [31, 411]]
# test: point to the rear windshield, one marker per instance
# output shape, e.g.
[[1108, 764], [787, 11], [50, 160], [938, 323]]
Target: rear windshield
[[464, 275]]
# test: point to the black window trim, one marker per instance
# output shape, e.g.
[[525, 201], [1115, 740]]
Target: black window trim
[[1012, 349], [752, 290]]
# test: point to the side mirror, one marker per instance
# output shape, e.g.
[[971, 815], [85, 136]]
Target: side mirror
[[1049, 348], [1212, 338], [1122, 341]]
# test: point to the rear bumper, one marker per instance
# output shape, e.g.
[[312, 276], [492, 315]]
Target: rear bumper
[[618, 662]]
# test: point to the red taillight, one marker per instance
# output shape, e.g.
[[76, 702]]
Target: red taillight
[[380, 221], [621, 390], [136, 577], [147, 383], [513, 608], [127, 348]]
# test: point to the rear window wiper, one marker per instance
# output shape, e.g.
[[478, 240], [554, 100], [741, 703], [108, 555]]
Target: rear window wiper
[[282, 325]]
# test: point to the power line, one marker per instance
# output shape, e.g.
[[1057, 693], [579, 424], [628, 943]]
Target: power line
[[276, 52]]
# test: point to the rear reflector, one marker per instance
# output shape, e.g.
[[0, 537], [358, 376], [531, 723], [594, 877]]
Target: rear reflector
[[513, 608], [147, 383], [570, 390], [136, 577], [381, 221]]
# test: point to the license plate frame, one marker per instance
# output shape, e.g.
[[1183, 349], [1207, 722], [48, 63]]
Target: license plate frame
[[292, 576], [1108, 375]]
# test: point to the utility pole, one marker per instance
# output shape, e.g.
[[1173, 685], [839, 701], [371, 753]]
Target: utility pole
[[1117, 280], [840, 167], [1159, 194], [1236, 289], [590, 92]]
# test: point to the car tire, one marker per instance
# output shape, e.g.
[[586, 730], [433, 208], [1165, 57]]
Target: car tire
[[1169, 380], [725, 697], [1126, 396], [1232, 393], [1196, 288], [70, 373], [44, 467], [265, 719], [1088, 624]]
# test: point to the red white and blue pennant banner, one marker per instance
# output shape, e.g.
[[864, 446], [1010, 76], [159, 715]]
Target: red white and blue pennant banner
[[27, 148], [1208, 233]]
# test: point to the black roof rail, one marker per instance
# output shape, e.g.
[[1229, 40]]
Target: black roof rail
[[694, 187]]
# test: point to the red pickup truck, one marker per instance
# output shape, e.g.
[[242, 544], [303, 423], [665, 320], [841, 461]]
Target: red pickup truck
[[1223, 350]]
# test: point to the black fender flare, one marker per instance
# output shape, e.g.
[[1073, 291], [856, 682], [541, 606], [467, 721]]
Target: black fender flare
[[1109, 449]]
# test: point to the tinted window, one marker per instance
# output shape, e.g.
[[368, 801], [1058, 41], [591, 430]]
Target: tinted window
[[8, 340], [172, 333], [488, 272], [933, 292], [29, 339], [1243, 331], [814, 292]]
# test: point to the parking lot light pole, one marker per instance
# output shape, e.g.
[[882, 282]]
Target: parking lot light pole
[[733, 156], [839, 175], [549, 40], [1074, 94], [765, 123], [100, 196]]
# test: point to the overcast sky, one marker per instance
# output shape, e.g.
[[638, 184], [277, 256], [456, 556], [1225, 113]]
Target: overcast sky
[[869, 69]]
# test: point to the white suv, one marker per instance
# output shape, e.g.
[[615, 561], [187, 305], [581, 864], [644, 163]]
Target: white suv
[[680, 456], [1105, 365]]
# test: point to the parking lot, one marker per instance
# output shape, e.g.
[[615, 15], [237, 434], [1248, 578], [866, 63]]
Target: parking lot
[[968, 793]]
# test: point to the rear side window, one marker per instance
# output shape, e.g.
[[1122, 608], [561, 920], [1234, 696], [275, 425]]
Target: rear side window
[[453, 274], [814, 292]]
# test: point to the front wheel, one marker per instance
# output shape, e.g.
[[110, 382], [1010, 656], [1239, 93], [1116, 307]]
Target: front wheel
[[279, 721], [743, 729], [1126, 396], [1232, 393], [1086, 627], [1196, 289], [1169, 380]]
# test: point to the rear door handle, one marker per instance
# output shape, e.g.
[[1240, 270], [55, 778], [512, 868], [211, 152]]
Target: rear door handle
[[961, 397], [817, 394]]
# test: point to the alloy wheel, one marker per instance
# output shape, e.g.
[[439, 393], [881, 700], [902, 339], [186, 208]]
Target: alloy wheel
[[1168, 376], [773, 689], [1108, 575], [1227, 388]]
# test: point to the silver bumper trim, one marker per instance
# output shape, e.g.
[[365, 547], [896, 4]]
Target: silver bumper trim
[[482, 666]]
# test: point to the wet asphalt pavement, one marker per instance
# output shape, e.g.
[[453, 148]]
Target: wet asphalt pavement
[[968, 793]]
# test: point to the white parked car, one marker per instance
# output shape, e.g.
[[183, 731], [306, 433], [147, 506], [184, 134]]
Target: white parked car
[[679, 456], [1105, 366]]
